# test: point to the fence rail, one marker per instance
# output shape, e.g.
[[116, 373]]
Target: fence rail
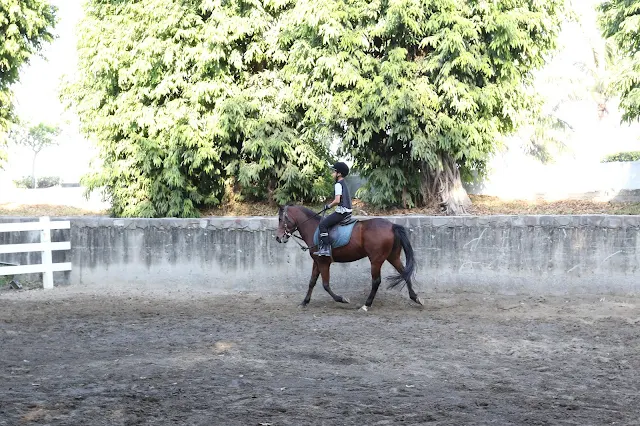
[[45, 246]]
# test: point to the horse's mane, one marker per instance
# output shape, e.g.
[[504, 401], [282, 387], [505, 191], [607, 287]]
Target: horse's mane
[[307, 212]]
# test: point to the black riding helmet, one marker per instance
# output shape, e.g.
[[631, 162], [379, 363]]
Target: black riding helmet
[[341, 168]]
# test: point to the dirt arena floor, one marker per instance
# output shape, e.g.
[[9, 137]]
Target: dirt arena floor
[[79, 358]]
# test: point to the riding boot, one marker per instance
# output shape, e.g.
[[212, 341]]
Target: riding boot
[[325, 246]]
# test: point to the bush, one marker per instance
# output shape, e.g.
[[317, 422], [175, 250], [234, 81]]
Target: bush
[[622, 156], [43, 182], [24, 182], [48, 181]]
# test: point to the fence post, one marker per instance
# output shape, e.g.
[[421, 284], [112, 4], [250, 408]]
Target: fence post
[[47, 261]]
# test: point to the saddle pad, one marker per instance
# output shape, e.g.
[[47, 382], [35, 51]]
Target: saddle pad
[[339, 235]]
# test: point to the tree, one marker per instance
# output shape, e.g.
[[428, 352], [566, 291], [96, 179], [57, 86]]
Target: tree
[[592, 78], [544, 137], [35, 138], [185, 101], [606, 67], [421, 91], [620, 21], [25, 26]]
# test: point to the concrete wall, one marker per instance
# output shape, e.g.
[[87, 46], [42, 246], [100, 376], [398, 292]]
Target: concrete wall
[[494, 254]]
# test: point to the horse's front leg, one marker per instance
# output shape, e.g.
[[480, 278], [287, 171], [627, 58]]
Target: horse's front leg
[[376, 264], [315, 273], [324, 271]]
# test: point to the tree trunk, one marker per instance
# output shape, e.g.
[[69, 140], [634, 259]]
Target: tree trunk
[[33, 171], [444, 187], [271, 188], [602, 110]]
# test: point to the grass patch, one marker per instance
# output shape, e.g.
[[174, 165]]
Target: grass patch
[[4, 281]]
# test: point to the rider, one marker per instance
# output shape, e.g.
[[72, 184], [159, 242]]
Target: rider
[[343, 211]]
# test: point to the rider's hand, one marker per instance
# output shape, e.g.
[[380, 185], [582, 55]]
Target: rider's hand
[[327, 206]]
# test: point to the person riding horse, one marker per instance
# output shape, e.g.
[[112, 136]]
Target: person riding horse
[[342, 199]]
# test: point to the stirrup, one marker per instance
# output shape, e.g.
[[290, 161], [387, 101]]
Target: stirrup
[[324, 250]]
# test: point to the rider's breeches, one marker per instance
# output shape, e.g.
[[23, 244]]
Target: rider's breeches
[[328, 222]]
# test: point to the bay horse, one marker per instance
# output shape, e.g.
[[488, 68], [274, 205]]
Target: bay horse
[[378, 239]]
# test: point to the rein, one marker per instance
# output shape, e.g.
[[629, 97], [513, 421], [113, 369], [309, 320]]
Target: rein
[[296, 228]]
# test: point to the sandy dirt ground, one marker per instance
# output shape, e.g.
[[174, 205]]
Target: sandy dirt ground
[[73, 357]]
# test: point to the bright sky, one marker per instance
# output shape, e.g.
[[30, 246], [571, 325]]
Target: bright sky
[[37, 99]]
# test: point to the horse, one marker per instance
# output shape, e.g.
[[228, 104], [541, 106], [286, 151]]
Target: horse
[[378, 239]]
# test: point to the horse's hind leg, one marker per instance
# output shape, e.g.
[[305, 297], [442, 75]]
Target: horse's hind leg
[[375, 282], [315, 273], [324, 272], [394, 259]]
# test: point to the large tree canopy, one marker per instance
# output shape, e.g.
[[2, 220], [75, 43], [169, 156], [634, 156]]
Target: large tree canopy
[[190, 99], [25, 26], [620, 21], [185, 100], [420, 90]]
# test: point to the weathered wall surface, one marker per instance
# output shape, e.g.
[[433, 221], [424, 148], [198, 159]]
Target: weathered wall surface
[[495, 254]]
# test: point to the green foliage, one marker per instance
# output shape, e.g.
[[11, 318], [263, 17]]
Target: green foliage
[[278, 158], [185, 100], [620, 21], [188, 98], [545, 135], [417, 86], [36, 137], [622, 156], [25, 26], [607, 68], [43, 182]]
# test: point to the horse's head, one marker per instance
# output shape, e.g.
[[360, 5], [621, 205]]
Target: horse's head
[[286, 225]]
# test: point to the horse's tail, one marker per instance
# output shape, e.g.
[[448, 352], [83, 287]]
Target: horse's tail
[[402, 239]]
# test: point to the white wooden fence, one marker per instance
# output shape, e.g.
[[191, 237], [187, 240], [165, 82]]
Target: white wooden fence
[[47, 267]]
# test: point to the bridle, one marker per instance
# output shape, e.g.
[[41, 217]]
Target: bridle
[[290, 233]]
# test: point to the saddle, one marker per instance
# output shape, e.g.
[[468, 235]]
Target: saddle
[[346, 221], [339, 234]]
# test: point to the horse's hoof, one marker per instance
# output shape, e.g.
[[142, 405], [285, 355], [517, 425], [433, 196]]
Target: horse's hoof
[[344, 300], [303, 305], [419, 301], [364, 308]]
